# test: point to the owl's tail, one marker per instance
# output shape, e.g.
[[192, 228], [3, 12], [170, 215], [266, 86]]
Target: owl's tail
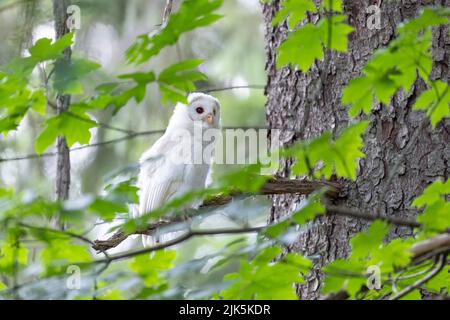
[[151, 241]]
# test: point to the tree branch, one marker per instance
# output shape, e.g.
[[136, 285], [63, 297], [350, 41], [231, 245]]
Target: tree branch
[[431, 247], [274, 186], [62, 105]]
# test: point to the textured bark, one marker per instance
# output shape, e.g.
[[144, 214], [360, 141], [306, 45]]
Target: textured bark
[[62, 104], [305, 105]]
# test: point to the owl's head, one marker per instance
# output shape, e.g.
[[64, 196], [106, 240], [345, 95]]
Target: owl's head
[[202, 109]]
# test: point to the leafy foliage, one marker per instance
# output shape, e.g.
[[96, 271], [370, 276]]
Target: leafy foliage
[[264, 279], [436, 102], [179, 78], [150, 268], [294, 11], [436, 216], [370, 250], [397, 66], [70, 127], [193, 14], [323, 156], [306, 44], [45, 50], [69, 72]]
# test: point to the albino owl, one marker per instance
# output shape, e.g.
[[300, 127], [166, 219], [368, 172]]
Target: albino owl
[[166, 171]]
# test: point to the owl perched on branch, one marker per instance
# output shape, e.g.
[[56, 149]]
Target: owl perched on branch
[[168, 170]]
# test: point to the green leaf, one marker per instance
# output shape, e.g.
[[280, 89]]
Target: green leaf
[[323, 156], [335, 33], [72, 128], [295, 10], [332, 5], [313, 207], [347, 150], [429, 17], [192, 14], [10, 254], [62, 252], [264, 279], [38, 102], [413, 295], [305, 45], [68, 74], [150, 266], [123, 192], [440, 282], [107, 210], [16, 100], [396, 67], [244, 179], [433, 193], [274, 231], [436, 216], [358, 94], [141, 78], [395, 254], [44, 50], [178, 79], [435, 102], [302, 48], [107, 88], [344, 275], [365, 242]]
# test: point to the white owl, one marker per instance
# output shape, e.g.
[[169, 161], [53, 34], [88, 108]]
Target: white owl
[[167, 171]]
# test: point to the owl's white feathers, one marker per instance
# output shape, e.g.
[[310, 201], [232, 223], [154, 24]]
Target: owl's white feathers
[[160, 178]]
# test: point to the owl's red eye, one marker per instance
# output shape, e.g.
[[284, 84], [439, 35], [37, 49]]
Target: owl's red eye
[[200, 110]]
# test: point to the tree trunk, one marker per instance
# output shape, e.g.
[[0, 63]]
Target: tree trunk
[[305, 105], [62, 103]]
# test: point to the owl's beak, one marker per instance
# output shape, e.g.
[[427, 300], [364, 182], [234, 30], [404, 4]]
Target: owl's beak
[[209, 119]]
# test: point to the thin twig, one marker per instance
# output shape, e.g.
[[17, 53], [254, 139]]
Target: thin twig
[[167, 12], [439, 266], [94, 122], [186, 236], [210, 90], [357, 213], [105, 143], [57, 231], [399, 277]]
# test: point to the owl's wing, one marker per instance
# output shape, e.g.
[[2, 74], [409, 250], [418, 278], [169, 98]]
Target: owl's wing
[[158, 178], [154, 195]]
